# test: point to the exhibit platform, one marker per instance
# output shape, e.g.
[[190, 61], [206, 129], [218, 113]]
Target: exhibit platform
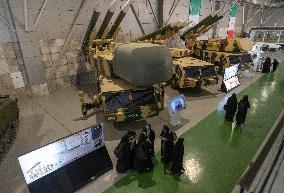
[[215, 156]]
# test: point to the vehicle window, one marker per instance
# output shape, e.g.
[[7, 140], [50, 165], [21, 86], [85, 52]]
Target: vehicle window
[[208, 71], [192, 71]]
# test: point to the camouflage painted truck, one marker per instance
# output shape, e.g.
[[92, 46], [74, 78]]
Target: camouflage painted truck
[[223, 53], [127, 81], [189, 72], [9, 119]]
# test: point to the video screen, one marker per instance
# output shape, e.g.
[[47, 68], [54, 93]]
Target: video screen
[[231, 79], [231, 72], [51, 157], [231, 83], [176, 104]]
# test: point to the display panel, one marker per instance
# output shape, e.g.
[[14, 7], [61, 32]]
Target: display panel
[[232, 83], [45, 160], [231, 72], [176, 104], [231, 79]]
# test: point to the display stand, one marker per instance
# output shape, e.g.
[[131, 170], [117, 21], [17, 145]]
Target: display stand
[[175, 119]]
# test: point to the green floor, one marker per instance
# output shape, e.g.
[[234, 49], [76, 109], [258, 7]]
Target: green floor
[[215, 158]]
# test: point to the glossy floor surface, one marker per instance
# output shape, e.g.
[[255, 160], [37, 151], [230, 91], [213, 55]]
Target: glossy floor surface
[[217, 153]]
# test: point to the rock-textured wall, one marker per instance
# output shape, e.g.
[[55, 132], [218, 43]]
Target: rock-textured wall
[[58, 65]]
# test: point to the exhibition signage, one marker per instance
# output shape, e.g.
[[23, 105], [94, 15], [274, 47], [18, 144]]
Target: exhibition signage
[[231, 79], [195, 6], [51, 168], [175, 105], [232, 21]]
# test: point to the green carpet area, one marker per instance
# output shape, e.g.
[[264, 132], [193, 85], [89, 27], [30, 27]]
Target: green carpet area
[[216, 157]]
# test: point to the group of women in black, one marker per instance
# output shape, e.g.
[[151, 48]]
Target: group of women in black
[[232, 106], [266, 66], [138, 156], [171, 152], [135, 155]]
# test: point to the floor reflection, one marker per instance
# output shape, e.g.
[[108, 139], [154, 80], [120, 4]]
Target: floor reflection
[[192, 169]]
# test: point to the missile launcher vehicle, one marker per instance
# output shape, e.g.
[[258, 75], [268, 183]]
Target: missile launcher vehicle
[[223, 53], [189, 72], [9, 119], [126, 74]]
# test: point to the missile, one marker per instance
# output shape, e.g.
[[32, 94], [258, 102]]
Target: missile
[[203, 24], [92, 24], [172, 27], [106, 20], [119, 19]]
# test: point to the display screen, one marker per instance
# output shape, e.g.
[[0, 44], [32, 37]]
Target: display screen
[[231, 72], [232, 83], [176, 104], [51, 157]]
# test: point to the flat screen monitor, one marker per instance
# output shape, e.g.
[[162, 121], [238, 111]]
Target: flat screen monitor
[[231, 83], [231, 72], [45, 168], [176, 104]]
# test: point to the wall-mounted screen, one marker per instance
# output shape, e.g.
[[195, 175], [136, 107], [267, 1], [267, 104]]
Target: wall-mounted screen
[[176, 104], [43, 166]]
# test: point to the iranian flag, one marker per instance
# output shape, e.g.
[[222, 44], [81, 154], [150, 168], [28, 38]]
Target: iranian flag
[[194, 11], [232, 21]]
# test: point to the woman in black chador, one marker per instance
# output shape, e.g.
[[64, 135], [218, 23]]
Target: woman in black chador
[[124, 154], [143, 160], [164, 142], [151, 135], [242, 111], [177, 157], [143, 136], [266, 65], [231, 107], [171, 144], [275, 65]]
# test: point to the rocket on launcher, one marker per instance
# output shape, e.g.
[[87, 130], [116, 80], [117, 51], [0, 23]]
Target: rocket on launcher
[[119, 19], [106, 20], [92, 24]]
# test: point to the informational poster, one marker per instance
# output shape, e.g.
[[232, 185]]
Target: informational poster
[[53, 156], [231, 72], [231, 79], [176, 104]]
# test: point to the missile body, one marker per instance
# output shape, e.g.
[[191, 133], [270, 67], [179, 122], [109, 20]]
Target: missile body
[[119, 19], [172, 27], [92, 24], [203, 26], [106, 20]]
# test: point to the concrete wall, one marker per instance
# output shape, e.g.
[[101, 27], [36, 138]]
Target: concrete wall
[[48, 53]]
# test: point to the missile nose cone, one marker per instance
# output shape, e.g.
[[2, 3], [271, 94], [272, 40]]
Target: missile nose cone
[[112, 6], [126, 6], [98, 5]]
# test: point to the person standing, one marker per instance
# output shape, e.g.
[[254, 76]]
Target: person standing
[[143, 160], [275, 65], [172, 139], [242, 111], [177, 157], [231, 107], [143, 136], [122, 152], [266, 65], [151, 135], [164, 142], [133, 148]]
